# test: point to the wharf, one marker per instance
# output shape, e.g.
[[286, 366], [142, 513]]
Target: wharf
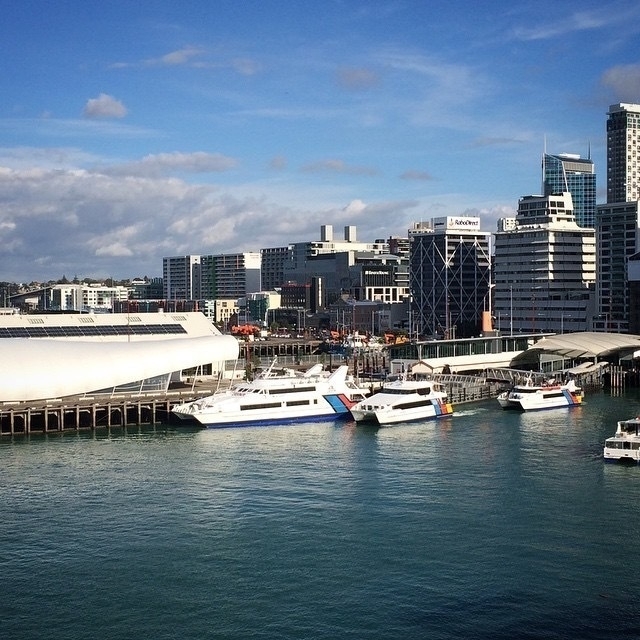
[[135, 409], [96, 412]]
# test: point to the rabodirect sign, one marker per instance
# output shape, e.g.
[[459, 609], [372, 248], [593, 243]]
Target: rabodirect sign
[[458, 222]]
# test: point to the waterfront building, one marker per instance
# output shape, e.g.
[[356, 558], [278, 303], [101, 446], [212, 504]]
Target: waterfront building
[[229, 275], [617, 240], [256, 306], [623, 153], [273, 262], [617, 221], [380, 278], [181, 277], [302, 252], [399, 246], [221, 311], [208, 277], [633, 275], [146, 289], [95, 297], [450, 273], [106, 353], [362, 270], [569, 172], [544, 269]]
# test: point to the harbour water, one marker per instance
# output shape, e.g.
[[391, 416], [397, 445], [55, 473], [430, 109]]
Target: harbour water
[[486, 524]]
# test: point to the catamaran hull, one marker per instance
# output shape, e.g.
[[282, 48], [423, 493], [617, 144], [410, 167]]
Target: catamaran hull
[[334, 407], [396, 415]]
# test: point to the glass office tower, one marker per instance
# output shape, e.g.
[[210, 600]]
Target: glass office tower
[[570, 173]]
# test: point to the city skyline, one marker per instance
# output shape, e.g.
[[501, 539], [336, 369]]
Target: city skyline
[[135, 132]]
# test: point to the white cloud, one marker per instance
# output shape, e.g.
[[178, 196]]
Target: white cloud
[[91, 223], [104, 106], [179, 57], [355, 206], [156, 165], [624, 81], [195, 58], [334, 165]]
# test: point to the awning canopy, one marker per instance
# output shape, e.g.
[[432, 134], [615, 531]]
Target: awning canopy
[[584, 345]]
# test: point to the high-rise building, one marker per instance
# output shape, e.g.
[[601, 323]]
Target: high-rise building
[[568, 172], [229, 275], [623, 152], [450, 272], [181, 277], [618, 221], [544, 268], [211, 277], [617, 239], [274, 260]]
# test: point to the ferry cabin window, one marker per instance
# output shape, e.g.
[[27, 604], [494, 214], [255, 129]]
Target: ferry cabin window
[[414, 404], [274, 392], [266, 405]]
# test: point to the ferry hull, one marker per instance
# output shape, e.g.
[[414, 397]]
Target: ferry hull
[[382, 410], [624, 446], [278, 398], [529, 398], [335, 409]]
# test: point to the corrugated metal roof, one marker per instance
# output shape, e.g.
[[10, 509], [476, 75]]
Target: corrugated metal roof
[[586, 345]]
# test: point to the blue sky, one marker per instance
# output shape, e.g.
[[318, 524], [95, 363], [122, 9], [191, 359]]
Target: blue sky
[[130, 131]]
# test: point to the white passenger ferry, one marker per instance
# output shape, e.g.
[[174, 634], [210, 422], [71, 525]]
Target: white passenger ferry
[[624, 446], [532, 397], [278, 397], [403, 400]]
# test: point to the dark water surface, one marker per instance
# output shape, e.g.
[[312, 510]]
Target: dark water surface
[[486, 524]]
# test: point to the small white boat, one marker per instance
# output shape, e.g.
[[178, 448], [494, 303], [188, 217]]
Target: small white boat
[[532, 397], [278, 397], [624, 446], [403, 400]]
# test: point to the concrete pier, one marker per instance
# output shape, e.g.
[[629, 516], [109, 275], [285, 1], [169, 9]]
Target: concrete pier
[[57, 415]]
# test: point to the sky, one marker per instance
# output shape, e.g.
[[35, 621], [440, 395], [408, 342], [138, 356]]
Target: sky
[[132, 131]]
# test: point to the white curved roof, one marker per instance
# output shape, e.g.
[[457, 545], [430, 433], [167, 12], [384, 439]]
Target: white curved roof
[[586, 345], [32, 369]]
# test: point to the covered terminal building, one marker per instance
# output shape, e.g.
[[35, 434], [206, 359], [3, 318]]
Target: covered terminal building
[[68, 355], [593, 346]]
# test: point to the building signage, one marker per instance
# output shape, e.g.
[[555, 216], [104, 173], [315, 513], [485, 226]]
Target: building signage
[[460, 223]]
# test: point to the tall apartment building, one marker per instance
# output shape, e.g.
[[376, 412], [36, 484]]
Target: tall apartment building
[[274, 261], [450, 272], [569, 172], [617, 241], [544, 268], [617, 221], [623, 152], [181, 278], [229, 275], [211, 277]]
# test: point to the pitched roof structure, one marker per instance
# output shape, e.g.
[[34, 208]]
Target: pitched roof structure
[[585, 345]]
